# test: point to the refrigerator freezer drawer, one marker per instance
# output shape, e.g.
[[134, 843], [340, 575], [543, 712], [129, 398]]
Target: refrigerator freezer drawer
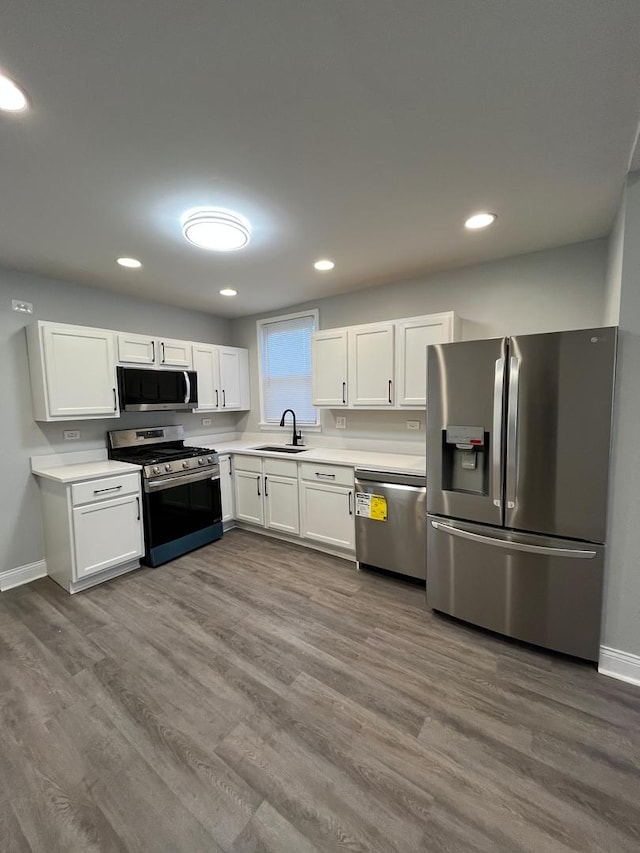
[[534, 588]]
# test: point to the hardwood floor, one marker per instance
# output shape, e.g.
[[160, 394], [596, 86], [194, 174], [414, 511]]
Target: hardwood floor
[[255, 696]]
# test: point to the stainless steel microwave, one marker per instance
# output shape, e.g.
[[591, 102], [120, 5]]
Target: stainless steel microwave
[[157, 390]]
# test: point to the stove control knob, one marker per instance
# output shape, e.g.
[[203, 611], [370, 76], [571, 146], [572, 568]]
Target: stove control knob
[[185, 464], [209, 459], [155, 469], [201, 461], [167, 467]]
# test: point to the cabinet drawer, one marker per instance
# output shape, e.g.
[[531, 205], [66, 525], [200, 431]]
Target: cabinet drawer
[[106, 487], [247, 463], [281, 467], [339, 475]]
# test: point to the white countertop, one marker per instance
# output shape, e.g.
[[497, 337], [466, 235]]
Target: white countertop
[[75, 473], [400, 463]]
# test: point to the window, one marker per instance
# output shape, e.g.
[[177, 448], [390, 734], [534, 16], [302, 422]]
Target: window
[[284, 344]]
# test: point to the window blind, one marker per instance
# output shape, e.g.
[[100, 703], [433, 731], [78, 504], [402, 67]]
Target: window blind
[[285, 362]]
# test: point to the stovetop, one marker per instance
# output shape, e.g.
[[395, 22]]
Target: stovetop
[[160, 451]]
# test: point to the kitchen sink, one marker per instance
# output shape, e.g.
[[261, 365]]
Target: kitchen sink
[[278, 448]]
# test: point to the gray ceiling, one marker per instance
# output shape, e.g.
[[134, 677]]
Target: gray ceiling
[[361, 130]]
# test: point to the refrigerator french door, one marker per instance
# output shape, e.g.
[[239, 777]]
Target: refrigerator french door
[[518, 435]]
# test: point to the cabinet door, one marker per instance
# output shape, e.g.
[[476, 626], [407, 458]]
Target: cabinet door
[[230, 380], [371, 366], [281, 503], [174, 353], [327, 515], [205, 363], [136, 349], [226, 488], [249, 497], [329, 368], [412, 338], [106, 534], [80, 372]]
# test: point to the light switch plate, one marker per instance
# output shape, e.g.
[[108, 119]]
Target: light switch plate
[[206, 422], [341, 423], [413, 425], [71, 434]]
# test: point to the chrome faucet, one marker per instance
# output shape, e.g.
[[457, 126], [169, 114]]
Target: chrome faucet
[[297, 436]]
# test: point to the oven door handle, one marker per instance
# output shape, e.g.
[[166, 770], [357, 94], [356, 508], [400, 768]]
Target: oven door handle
[[182, 480]]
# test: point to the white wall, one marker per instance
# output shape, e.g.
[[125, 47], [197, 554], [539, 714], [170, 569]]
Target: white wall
[[613, 282], [556, 289], [621, 629], [21, 437]]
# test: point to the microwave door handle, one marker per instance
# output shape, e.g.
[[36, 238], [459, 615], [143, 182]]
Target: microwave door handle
[[187, 387], [496, 450], [512, 432]]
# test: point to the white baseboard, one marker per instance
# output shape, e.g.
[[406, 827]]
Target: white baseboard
[[621, 665], [22, 574]]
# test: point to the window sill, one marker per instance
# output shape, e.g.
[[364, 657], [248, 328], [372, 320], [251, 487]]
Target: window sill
[[288, 426]]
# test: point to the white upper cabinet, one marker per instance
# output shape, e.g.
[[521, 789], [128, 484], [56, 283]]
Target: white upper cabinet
[[379, 365], [223, 377], [412, 338], [73, 372], [155, 352], [371, 365], [329, 368]]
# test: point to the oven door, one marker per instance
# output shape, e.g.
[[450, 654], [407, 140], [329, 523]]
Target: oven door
[[180, 514]]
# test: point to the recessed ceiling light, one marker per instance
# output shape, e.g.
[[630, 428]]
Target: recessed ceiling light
[[218, 230], [324, 265], [12, 98], [480, 220], [131, 263], [228, 291]]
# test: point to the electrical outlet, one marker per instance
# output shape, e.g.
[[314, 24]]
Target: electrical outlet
[[206, 422], [71, 434], [341, 423], [22, 307], [413, 425]]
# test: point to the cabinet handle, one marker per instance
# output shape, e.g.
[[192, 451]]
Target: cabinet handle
[[138, 502], [153, 351], [115, 400], [258, 482], [390, 390], [230, 467], [162, 347], [217, 398], [350, 507], [344, 392], [224, 399], [330, 476], [266, 491], [112, 489]]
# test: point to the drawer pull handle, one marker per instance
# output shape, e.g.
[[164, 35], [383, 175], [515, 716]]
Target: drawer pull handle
[[112, 489], [330, 476]]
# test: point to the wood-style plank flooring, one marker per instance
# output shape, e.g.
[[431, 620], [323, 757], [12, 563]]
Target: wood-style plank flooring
[[256, 696]]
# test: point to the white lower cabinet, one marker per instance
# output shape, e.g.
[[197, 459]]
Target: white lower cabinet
[[226, 489], [266, 492], [327, 504], [93, 528]]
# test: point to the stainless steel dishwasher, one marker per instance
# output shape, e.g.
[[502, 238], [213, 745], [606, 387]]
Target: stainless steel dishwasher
[[390, 512]]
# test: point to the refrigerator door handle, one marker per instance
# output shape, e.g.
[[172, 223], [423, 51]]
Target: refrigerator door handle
[[496, 451], [512, 432], [576, 553]]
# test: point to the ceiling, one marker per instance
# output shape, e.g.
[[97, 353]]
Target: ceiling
[[365, 131]]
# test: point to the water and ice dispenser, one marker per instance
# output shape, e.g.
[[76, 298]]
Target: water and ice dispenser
[[465, 459]]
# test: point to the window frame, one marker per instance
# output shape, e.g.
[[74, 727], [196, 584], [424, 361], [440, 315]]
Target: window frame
[[266, 321]]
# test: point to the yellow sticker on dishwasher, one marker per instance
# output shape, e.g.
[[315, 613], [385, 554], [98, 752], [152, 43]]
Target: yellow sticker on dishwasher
[[371, 506]]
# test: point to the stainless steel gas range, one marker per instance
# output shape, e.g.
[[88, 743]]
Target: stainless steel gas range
[[181, 489]]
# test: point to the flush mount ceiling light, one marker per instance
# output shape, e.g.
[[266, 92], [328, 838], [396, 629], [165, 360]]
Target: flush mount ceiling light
[[324, 265], [131, 263], [217, 230], [480, 220], [12, 98], [228, 291]]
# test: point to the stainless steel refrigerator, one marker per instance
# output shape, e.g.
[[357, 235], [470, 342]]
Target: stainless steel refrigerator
[[518, 435]]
